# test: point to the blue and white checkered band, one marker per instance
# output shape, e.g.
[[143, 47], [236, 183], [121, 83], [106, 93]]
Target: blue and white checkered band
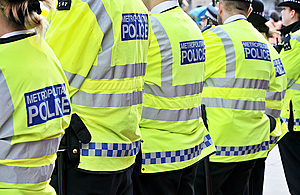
[[176, 156], [296, 121], [259, 13], [110, 149], [241, 150], [273, 139], [293, 1]]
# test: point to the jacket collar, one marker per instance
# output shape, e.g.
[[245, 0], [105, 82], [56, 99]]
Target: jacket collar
[[290, 28]]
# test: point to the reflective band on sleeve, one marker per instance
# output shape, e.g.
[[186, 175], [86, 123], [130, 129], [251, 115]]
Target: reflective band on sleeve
[[241, 150], [174, 91], [171, 115], [229, 51], [75, 80], [295, 86], [234, 104], [28, 149], [237, 83], [275, 95], [273, 112], [176, 156], [296, 121], [290, 81], [107, 100], [110, 149], [25, 175], [6, 107]]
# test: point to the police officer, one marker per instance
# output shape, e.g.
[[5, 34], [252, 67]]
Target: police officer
[[34, 100], [289, 145], [211, 15], [102, 46], [239, 72], [258, 20], [174, 138]]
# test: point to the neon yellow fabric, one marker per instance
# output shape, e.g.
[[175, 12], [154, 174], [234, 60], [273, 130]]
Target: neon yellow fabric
[[106, 73], [276, 104], [239, 72], [290, 59], [169, 138], [31, 127]]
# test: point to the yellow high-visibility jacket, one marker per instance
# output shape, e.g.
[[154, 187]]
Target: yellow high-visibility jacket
[[239, 72], [173, 134], [291, 59], [35, 110], [102, 46]]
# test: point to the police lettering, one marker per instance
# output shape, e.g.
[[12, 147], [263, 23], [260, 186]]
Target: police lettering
[[134, 26], [192, 52], [256, 50], [278, 67], [46, 104]]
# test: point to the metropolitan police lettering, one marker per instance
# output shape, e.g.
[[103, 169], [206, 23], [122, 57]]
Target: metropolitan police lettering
[[134, 26], [278, 67], [46, 104], [256, 50], [192, 52]]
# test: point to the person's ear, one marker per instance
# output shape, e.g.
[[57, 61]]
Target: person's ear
[[220, 7], [292, 13]]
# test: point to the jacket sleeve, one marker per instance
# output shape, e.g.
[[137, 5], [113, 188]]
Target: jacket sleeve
[[6, 104], [275, 95]]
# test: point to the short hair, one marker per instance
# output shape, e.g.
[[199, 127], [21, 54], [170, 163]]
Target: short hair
[[237, 6], [275, 16]]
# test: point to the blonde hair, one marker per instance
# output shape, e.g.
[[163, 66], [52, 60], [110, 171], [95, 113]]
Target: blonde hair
[[26, 13]]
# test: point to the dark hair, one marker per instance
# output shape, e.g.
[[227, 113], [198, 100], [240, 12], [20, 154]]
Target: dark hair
[[25, 13], [240, 6], [275, 16]]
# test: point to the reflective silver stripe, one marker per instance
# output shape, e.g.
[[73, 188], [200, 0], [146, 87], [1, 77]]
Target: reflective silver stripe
[[237, 83], [290, 81], [75, 80], [171, 115], [175, 91], [25, 175], [295, 86], [124, 71], [165, 51], [105, 24], [274, 139], [28, 149], [241, 150], [229, 51], [166, 89], [233, 104], [107, 100], [275, 95], [7, 109], [110, 149], [295, 37], [273, 112], [176, 156]]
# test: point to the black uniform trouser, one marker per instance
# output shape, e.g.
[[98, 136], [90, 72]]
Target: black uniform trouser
[[227, 178], [289, 148], [179, 182], [78, 182], [256, 181]]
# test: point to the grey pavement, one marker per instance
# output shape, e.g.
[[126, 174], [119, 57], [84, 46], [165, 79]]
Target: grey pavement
[[275, 183]]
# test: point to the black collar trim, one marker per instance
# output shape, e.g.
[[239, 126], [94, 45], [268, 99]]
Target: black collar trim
[[15, 38]]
